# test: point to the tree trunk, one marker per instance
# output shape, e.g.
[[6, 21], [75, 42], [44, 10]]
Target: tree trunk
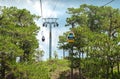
[[118, 67], [3, 68], [107, 68], [72, 62], [112, 70], [63, 53], [80, 74], [107, 73]]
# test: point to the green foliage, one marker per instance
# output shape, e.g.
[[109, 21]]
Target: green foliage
[[96, 32], [37, 56], [18, 37], [55, 54], [35, 70], [40, 70]]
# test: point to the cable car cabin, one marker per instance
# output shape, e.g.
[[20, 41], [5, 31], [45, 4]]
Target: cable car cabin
[[71, 37], [43, 38]]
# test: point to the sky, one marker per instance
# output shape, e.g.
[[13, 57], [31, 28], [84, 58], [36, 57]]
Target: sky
[[53, 9]]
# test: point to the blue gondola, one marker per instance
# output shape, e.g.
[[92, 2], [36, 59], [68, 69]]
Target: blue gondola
[[71, 37]]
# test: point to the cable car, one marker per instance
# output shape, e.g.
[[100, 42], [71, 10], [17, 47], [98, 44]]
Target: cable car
[[71, 37], [43, 38]]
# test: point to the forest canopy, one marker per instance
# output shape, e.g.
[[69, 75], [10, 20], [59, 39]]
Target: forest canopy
[[97, 38]]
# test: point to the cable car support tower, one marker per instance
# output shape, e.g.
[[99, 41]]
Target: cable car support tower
[[50, 22]]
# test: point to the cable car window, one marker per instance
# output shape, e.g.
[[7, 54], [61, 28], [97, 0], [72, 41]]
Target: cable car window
[[71, 36]]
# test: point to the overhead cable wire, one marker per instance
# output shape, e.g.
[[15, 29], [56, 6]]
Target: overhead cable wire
[[108, 3], [41, 7], [54, 8]]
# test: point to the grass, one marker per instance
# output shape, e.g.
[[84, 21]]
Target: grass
[[41, 70]]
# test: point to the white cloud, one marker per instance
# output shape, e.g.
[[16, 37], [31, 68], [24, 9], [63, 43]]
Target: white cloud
[[36, 7], [48, 10], [28, 1]]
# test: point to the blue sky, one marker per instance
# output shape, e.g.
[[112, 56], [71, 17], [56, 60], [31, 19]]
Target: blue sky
[[54, 9]]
